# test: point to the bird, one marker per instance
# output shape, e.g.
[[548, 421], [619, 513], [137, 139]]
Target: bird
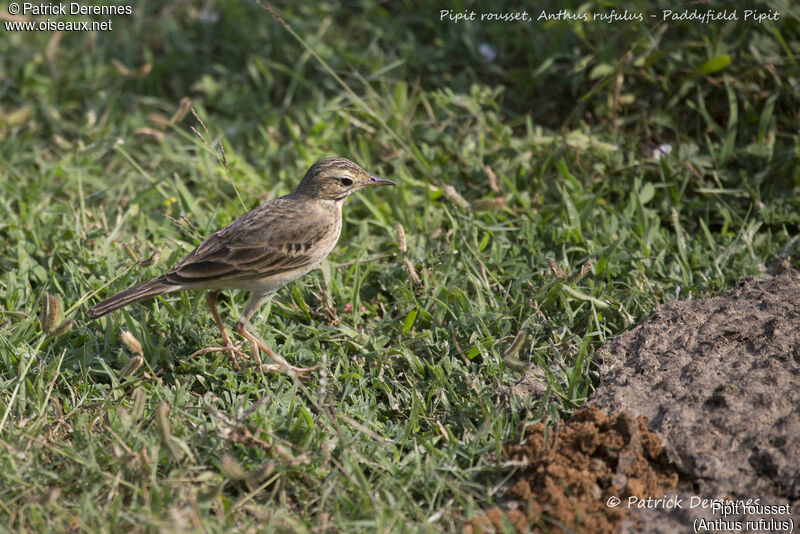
[[261, 251]]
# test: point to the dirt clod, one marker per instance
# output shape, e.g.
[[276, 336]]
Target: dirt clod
[[570, 473], [719, 380]]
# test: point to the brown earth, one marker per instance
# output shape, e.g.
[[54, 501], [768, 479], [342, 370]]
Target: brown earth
[[570, 472], [718, 380]]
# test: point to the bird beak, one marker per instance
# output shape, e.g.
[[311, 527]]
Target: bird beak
[[375, 180]]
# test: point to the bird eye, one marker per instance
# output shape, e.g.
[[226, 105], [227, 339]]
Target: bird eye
[[347, 182]]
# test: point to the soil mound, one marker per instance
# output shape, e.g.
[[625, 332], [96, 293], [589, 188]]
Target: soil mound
[[571, 471], [719, 380]]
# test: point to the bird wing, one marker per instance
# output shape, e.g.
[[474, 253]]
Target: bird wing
[[276, 237]]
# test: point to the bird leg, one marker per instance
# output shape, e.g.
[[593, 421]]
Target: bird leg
[[241, 328], [230, 348]]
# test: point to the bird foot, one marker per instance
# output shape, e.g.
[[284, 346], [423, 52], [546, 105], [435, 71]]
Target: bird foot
[[280, 365], [299, 372], [230, 348]]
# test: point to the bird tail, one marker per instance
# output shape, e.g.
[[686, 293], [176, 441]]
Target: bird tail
[[156, 286]]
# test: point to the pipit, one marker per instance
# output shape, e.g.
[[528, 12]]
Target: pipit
[[262, 251]]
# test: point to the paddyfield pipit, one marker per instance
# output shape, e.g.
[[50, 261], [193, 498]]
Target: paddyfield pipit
[[262, 251]]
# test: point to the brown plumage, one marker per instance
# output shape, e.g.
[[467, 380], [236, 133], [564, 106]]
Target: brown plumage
[[263, 250]]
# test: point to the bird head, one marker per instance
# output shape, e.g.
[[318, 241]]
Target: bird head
[[336, 179]]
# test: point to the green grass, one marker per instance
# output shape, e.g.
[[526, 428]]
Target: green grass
[[402, 427]]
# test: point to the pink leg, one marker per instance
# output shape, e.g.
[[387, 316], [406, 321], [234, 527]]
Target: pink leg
[[230, 348], [280, 363]]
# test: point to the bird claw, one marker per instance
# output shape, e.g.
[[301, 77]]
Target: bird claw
[[280, 364], [298, 372], [230, 348]]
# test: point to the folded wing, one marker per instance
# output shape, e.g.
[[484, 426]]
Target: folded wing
[[274, 238]]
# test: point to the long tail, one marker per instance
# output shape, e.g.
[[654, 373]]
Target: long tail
[[156, 286]]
